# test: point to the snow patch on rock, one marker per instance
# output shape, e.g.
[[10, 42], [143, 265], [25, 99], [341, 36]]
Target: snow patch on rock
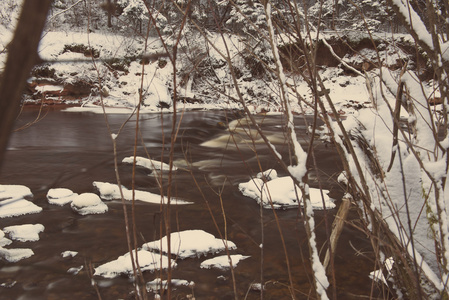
[[88, 203], [190, 243]]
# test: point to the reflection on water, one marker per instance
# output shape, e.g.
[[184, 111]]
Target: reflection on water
[[73, 150]]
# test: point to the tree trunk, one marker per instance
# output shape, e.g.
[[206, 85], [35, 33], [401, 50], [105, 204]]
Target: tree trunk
[[22, 56]]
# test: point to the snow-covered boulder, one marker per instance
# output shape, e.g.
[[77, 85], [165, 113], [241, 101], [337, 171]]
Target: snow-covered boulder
[[18, 207], [88, 203], [281, 192], [14, 192], [14, 255], [60, 196], [108, 191], [13, 202], [190, 243], [148, 261], [25, 232]]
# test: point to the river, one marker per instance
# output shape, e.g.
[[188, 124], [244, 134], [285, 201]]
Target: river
[[72, 150]]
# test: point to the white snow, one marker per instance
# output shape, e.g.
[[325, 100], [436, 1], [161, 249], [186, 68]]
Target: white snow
[[319, 272], [69, 253], [184, 244], [148, 261], [148, 163], [49, 88], [59, 193], [268, 174], [378, 275], [96, 109], [4, 241], [414, 21], [110, 191], [190, 243], [281, 192], [25, 232], [342, 178], [12, 202], [88, 203], [14, 192], [75, 270], [15, 254], [155, 285], [223, 262], [17, 207], [398, 195], [60, 196]]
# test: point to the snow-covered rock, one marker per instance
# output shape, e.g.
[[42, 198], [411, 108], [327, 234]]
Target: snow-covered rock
[[282, 193], [13, 202], [156, 284], [15, 255], [60, 196], [148, 261], [25, 232], [4, 241], [223, 262], [14, 192], [18, 207], [147, 163], [110, 191], [88, 203], [75, 270], [190, 243], [68, 253]]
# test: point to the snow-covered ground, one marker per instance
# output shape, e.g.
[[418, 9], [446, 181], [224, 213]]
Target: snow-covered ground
[[120, 86]]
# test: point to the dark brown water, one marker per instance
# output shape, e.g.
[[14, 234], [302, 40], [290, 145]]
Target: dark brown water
[[72, 150]]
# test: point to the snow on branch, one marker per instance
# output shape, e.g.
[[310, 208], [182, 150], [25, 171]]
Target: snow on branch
[[298, 170], [340, 59], [414, 21]]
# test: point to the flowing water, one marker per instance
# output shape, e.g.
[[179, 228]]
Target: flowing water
[[72, 150]]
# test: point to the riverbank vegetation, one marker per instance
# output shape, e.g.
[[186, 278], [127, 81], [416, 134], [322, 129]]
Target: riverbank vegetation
[[374, 76]]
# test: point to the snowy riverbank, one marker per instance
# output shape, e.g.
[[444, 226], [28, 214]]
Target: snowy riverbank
[[116, 75]]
